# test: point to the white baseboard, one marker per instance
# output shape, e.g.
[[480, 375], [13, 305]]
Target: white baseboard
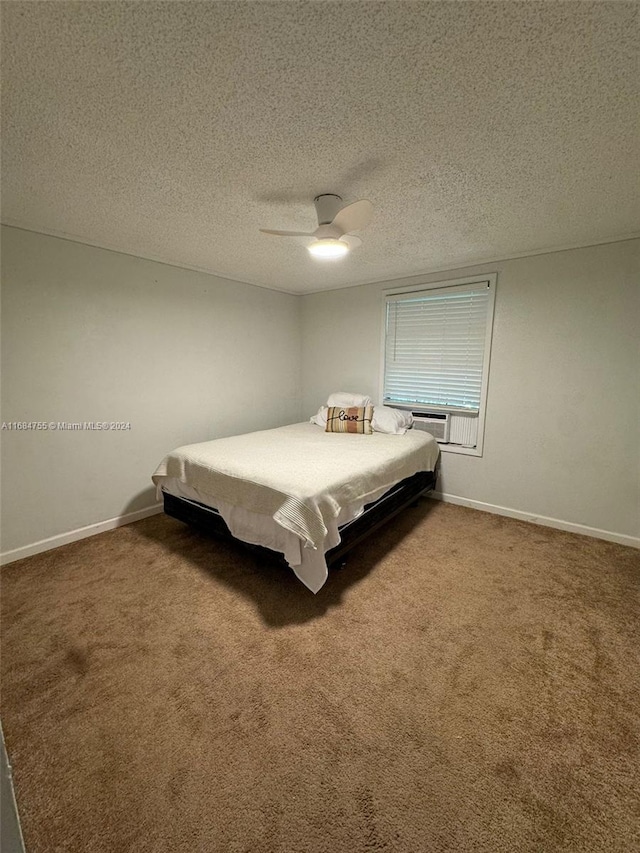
[[75, 535], [610, 536], [119, 521]]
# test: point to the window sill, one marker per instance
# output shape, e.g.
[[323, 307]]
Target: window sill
[[458, 448]]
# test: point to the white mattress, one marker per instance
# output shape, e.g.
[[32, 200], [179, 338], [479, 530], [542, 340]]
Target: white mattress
[[290, 488]]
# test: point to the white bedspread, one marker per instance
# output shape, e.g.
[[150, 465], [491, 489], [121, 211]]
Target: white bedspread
[[296, 480]]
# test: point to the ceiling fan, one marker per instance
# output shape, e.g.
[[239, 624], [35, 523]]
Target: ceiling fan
[[333, 237]]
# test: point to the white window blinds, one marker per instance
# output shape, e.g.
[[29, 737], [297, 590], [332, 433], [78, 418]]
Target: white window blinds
[[435, 344]]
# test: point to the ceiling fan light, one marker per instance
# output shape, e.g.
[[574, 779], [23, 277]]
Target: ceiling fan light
[[328, 248]]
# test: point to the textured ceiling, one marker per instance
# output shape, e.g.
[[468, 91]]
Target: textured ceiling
[[176, 130]]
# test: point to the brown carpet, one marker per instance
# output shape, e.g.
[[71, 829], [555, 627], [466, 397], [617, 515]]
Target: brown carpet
[[466, 683]]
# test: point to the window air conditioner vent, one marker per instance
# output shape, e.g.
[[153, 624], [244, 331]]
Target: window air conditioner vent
[[437, 423]]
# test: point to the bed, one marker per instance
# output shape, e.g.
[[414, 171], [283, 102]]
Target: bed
[[305, 493]]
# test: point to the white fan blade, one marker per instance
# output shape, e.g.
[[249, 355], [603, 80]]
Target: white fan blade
[[354, 216], [351, 240], [287, 233]]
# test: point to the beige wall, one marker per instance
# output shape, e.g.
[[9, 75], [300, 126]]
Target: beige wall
[[562, 435], [93, 335]]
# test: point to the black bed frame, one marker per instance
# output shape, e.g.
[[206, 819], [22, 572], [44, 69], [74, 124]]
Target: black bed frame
[[375, 514]]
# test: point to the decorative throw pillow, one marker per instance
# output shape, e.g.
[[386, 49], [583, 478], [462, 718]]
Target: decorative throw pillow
[[353, 419]]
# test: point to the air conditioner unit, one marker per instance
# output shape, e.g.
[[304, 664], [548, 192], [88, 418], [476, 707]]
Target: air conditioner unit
[[437, 423]]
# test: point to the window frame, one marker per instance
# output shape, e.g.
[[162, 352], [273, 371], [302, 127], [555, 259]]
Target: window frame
[[422, 287]]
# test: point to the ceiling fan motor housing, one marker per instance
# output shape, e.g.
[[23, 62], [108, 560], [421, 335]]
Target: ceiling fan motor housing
[[327, 206]]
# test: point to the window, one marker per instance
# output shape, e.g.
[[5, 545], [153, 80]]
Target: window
[[437, 342]]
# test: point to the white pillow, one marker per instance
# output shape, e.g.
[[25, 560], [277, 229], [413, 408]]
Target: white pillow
[[347, 400], [320, 417], [392, 421]]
